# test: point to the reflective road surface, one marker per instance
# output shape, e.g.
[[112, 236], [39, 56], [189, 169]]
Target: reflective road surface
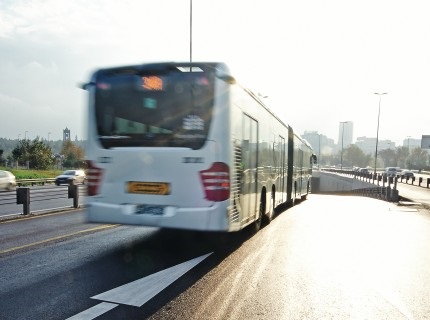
[[329, 257]]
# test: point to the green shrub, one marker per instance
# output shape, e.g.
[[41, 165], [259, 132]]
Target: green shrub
[[33, 174]]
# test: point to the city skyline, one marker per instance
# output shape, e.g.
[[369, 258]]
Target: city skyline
[[316, 62], [347, 141], [322, 144]]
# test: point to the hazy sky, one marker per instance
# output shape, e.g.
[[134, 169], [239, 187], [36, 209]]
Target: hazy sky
[[319, 62]]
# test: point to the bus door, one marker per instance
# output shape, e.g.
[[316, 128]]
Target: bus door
[[281, 181], [249, 163], [290, 159], [300, 179]]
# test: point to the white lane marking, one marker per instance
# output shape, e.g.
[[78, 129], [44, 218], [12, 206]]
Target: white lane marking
[[93, 312], [138, 292]]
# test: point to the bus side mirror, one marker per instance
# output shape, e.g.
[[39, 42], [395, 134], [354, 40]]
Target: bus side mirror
[[314, 159], [227, 78], [86, 86]]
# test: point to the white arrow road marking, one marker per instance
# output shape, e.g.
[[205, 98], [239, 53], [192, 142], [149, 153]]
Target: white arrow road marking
[[138, 292], [93, 312]]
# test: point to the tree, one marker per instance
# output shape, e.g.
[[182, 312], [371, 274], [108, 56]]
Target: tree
[[388, 157], [36, 153], [402, 153], [73, 155], [354, 156], [40, 155], [417, 159], [21, 152]]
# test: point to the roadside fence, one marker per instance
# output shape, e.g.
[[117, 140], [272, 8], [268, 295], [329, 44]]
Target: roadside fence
[[384, 188]]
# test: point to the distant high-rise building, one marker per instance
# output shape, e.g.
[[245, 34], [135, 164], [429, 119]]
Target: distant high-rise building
[[321, 145], [345, 134], [412, 143], [368, 145]]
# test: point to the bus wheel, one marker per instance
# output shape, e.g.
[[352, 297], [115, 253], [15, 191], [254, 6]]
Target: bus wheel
[[305, 196], [273, 208], [257, 223], [267, 218]]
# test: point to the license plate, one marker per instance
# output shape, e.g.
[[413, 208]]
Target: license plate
[[156, 188], [150, 210]]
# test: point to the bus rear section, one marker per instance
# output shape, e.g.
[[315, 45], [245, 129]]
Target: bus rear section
[[153, 154]]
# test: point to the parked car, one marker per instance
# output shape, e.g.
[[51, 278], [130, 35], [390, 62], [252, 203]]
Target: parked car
[[407, 174], [7, 180], [71, 177], [390, 172]]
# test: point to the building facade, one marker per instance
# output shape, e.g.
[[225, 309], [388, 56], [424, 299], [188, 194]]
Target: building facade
[[345, 138]]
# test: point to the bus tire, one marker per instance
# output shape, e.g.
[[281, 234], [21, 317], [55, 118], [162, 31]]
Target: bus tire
[[305, 196], [257, 223], [272, 205]]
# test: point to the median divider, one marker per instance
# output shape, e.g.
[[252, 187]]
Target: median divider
[[347, 182], [23, 196], [73, 193]]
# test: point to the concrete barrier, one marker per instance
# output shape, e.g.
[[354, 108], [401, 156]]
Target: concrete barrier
[[334, 183], [323, 182]]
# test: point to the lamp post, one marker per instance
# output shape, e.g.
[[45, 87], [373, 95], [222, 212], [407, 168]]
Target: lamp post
[[341, 152], [377, 129], [319, 150], [191, 31]]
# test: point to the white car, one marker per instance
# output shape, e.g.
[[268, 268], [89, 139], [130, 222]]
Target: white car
[[71, 177], [7, 180]]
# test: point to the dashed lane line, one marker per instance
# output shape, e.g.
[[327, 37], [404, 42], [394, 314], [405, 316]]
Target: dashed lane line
[[34, 215], [102, 227]]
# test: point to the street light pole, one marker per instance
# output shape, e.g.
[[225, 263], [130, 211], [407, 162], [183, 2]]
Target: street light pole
[[377, 129], [319, 150], [341, 152], [191, 31]]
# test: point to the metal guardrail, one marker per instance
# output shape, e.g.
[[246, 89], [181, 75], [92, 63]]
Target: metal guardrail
[[33, 182], [383, 193], [380, 178]]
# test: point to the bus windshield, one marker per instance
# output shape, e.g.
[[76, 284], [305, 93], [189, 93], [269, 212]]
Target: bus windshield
[[158, 107]]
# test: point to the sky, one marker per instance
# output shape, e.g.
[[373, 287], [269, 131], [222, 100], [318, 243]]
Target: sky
[[319, 62]]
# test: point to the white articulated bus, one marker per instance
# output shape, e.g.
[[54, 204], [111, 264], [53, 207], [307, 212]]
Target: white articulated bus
[[182, 145]]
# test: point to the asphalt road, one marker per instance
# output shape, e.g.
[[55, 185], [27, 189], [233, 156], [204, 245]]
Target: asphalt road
[[415, 193], [330, 257]]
